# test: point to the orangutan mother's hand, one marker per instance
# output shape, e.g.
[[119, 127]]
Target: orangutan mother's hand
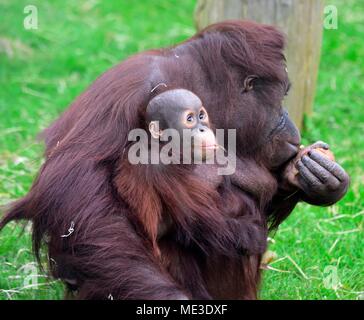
[[321, 179]]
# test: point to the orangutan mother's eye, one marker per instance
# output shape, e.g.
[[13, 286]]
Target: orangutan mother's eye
[[249, 83]]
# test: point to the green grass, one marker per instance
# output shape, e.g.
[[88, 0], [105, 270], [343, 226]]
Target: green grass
[[42, 71]]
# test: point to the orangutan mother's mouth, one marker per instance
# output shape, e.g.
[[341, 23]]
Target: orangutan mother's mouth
[[292, 150]]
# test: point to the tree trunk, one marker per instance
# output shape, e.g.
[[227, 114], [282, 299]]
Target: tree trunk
[[300, 20]]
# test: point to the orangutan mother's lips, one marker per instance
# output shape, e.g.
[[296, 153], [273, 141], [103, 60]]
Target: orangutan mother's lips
[[294, 149]]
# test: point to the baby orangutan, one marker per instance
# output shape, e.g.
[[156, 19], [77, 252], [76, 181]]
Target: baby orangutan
[[182, 111], [179, 113]]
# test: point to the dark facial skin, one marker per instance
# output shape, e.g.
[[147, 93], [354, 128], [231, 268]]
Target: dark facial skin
[[322, 181], [181, 110], [285, 138]]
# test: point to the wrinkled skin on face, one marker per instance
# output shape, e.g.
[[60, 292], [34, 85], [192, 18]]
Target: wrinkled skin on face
[[320, 180]]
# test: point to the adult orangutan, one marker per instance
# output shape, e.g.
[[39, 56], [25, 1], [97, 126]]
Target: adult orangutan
[[146, 232]]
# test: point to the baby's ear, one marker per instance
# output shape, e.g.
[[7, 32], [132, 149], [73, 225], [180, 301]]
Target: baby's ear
[[154, 129]]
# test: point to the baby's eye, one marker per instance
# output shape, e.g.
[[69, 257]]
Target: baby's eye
[[202, 115], [189, 118]]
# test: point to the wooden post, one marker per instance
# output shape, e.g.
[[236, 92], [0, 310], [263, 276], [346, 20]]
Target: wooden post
[[300, 20]]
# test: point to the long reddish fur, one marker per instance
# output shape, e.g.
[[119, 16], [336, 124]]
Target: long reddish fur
[[117, 208]]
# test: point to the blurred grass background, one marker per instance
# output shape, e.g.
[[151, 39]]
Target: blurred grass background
[[43, 70]]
